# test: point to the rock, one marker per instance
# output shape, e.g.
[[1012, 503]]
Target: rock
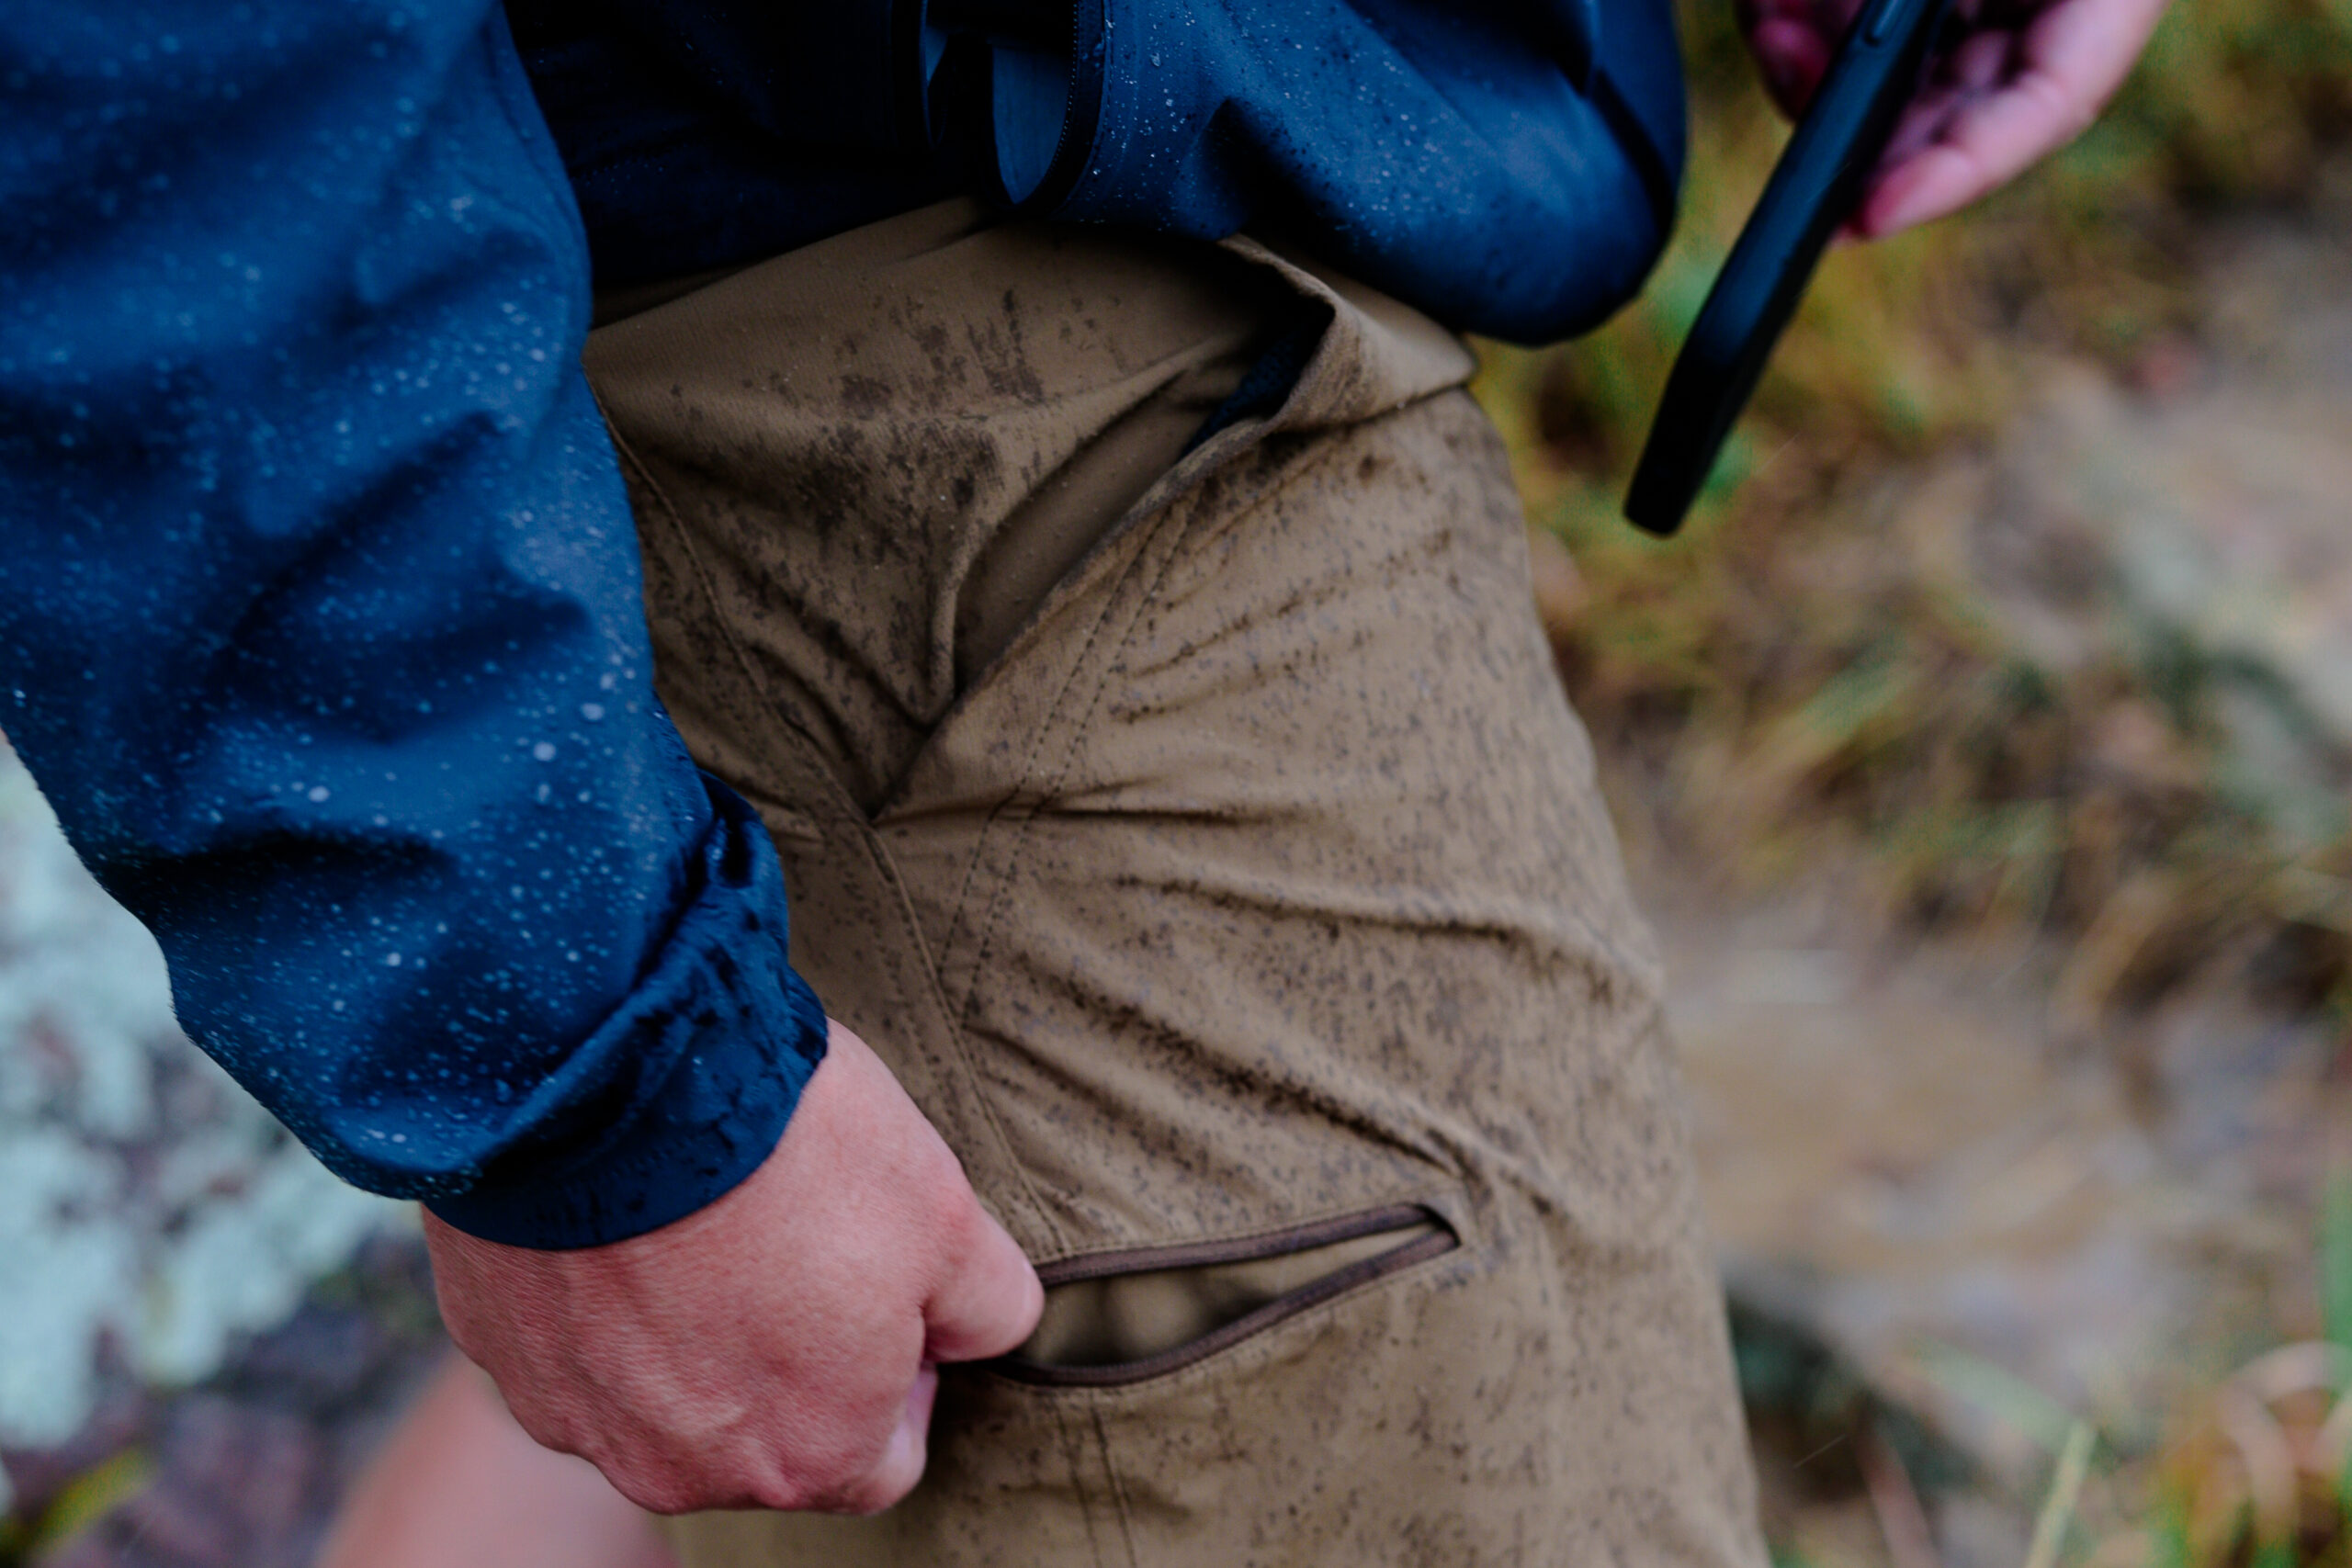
[[38, 1475], [318, 1356], [247, 1470], [146, 1200]]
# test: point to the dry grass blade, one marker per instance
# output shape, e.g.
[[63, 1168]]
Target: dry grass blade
[[2267, 1458], [1902, 1520], [2065, 1490]]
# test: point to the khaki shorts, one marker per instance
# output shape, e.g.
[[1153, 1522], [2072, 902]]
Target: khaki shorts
[[1200, 833]]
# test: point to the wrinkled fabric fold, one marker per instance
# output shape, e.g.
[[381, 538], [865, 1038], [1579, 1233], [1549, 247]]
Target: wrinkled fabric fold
[[1250, 891]]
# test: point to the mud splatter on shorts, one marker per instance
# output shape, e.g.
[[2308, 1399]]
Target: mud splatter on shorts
[[1199, 830]]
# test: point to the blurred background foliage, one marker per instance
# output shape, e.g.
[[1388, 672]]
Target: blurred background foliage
[[1823, 665], [1815, 654]]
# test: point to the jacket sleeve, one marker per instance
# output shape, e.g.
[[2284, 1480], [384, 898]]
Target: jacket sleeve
[[1508, 166], [320, 614]]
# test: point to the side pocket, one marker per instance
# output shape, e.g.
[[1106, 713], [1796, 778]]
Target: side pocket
[[1123, 1318]]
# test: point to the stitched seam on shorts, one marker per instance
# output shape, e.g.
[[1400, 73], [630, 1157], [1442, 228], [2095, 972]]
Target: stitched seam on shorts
[[1327, 1231], [1019, 806], [1160, 500], [1191, 471], [1171, 488], [1074, 1444], [1013, 805], [1039, 789], [1028, 790], [1182, 482], [868, 840], [1195, 466], [1265, 495], [1118, 1483]]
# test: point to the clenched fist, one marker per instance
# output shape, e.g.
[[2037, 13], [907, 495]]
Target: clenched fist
[[776, 1349]]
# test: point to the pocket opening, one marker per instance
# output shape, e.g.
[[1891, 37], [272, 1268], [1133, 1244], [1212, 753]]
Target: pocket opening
[[1221, 1292]]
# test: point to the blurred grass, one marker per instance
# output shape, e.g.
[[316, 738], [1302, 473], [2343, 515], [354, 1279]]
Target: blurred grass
[[2336, 1262], [2256, 1473], [1813, 665], [1814, 672]]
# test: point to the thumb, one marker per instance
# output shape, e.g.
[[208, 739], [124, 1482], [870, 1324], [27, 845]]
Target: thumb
[[989, 1300]]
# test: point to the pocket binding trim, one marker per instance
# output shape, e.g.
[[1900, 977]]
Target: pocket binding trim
[[1248, 1249]]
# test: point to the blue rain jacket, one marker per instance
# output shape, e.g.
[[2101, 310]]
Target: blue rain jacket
[[319, 607], [320, 621], [1508, 166]]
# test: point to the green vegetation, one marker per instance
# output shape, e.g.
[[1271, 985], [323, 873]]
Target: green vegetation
[[1819, 657], [1821, 668], [85, 1500], [2256, 1472]]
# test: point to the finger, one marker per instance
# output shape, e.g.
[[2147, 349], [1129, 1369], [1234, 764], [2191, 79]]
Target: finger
[[989, 1302], [1985, 143], [1922, 124], [1792, 56], [1976, 64], [1980, 63], [2067, 66], [1793, 41], [902, 1463], [903, 1457]]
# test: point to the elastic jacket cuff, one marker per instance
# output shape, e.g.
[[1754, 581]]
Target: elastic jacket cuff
[[740, 1034]]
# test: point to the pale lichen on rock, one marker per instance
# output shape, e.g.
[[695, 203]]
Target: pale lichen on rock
[[149, 1211]]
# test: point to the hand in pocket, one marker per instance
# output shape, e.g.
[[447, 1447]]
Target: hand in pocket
[[776, 1349]]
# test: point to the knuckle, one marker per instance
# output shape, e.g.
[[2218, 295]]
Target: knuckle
[[657, 1494], [963, 1227], [872, 1497], [785, 1496], [736, 1480], [547, 1429], [845, 1476], [799, 1492], [862, 1494], [671, 1483]]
